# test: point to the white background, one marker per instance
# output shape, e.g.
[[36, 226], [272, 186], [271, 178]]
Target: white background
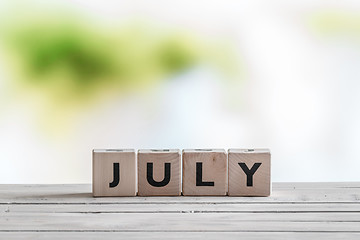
[[298, 96]]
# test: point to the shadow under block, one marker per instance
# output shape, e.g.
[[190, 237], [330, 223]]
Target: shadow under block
[[159, 172], [249, 172], [204, 172], [114, 172]]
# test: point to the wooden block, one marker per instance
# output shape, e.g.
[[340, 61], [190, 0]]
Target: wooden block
[[204, 172], [114, 172], [249, 172], [159, 172]]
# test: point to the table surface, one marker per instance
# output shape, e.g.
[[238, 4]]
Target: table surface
[[293, 211]]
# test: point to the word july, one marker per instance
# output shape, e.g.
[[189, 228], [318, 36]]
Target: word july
[[195, 172]]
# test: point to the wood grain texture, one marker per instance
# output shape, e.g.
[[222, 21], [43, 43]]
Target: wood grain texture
[[183, 208], [179, 235], [213, 171], [293, 211], [159, 158], [290, 193], [241, 162], [172, 222], [103, 172]]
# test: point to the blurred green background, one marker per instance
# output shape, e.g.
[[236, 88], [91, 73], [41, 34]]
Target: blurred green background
[[78, 75]]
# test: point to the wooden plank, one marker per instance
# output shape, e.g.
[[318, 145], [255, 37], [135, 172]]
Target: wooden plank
[[315, 185], [21, 188], [177, 235], [289, 222], [81, 194], [75, 188], [242, 217], [294, 210], [179, 208]]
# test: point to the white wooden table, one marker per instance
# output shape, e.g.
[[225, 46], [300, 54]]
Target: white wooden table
[[294, 211]]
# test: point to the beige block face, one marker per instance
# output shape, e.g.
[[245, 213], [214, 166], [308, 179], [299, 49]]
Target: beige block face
[[257, 181], [106, 163], [204, 172], [159, 172]]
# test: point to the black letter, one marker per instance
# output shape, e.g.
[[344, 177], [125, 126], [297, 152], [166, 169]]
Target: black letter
[[199, 181], [151, 180], [116, 180], [249, 173]]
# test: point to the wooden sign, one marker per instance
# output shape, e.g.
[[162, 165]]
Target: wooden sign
[[205, 172]]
